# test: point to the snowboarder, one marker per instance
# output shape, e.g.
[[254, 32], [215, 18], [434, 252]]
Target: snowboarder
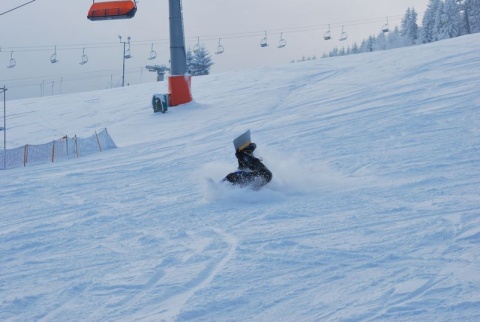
[[251, 171]]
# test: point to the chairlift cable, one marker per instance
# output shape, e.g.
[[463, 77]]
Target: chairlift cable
[[17, 7], [248, 34], [294, 29]]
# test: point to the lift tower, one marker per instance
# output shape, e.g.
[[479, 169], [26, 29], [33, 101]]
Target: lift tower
[[179, 81]]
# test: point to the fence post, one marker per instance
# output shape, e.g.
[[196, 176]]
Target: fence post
[[98, 141], [76, 146], [53, 150], [25, 153]]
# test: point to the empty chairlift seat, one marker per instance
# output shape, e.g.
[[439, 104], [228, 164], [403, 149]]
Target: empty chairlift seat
[[385, 27], [327, 35], [264, 42], [108, 10]]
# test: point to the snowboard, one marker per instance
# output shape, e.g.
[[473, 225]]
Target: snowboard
[[242, 141], [215, 185]]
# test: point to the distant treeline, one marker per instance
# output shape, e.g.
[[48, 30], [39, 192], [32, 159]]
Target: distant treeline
[[443, 19]]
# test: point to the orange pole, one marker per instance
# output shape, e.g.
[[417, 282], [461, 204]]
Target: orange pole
[[179, 89], [179, 83]]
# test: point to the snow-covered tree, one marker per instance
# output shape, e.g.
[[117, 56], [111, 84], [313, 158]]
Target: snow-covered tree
[[333, 52], [380, 42], [394, 39], [409, 27], [428, 32], [449, 20], [439, 20], [200, 62], [473, 10], [367, 45], [355, 49], [189, 59]]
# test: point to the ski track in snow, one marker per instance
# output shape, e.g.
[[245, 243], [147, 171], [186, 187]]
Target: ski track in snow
[[372, 215]]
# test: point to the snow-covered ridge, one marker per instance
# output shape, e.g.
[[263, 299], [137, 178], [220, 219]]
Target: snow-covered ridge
[[373, 212]]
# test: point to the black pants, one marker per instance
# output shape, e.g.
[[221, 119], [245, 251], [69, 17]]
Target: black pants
[[252, 172]]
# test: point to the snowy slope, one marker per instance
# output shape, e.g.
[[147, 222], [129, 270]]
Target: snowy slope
[[373, 213]]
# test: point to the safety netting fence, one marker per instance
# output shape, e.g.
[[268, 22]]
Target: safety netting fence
[[57, 150]]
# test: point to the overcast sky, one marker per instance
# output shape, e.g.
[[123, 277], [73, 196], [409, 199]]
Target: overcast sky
[[33, 31]]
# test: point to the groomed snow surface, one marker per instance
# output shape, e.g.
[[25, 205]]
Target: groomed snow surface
[[373, 213]]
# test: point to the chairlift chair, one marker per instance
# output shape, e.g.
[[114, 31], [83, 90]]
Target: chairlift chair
[[343, 35], [153, 54], [197, 46], [128, 54], [108, 10], [282, 43], [220, 48], [53, 58], [12, 61], [385, 27], [84, 58], [264, 42], [327, 35]]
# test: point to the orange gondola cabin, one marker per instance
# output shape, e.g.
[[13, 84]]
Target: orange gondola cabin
[[108, 10]]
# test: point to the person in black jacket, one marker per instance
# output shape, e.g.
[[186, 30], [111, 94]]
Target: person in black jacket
[[251, 171]]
